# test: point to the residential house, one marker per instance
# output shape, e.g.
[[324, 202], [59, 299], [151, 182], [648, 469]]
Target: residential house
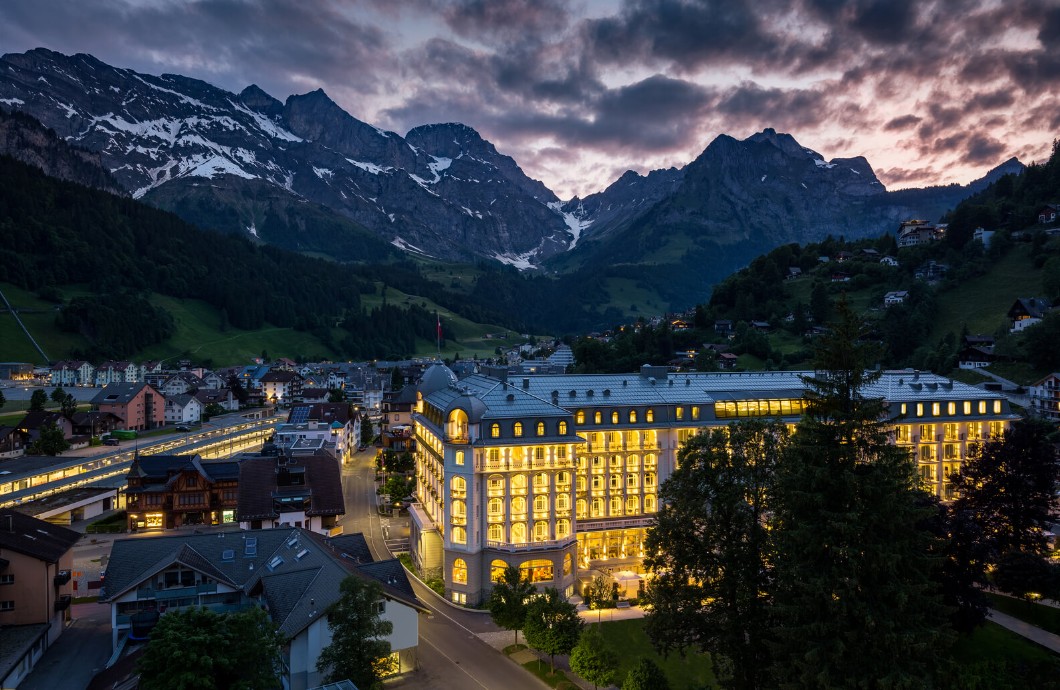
[[180, 383], [724, 327], [975, 357], [314, 395], [842, 257], [36, 560], [840, 277], [870, 254], [334, 423], [1045, 398], [396, 426], [932, 271], [13, 442], [889, 261], [223, 397], [116, 372], [281, 387], [1047, 213], [982, 236], [213, 381], [726, 360], [72, 373], [895, 297], [138, 405], [183, 409], [34, 421], [150, 366], [1027, 311], [794, 272], [916, 232], [761, 326], [288, 489], [168, 491], [94, 423], [284, 363]]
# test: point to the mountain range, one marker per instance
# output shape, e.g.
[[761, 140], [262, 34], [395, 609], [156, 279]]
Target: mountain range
[[304, 174]]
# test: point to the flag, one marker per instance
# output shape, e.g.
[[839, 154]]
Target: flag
[[439, 326]]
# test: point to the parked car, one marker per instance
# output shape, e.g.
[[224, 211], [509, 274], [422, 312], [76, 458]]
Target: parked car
[[111, 442], [183, 427]]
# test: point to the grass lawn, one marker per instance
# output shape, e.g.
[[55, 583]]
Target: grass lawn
[[542, 670], [993, 657], [1044, 617], [628, 639]]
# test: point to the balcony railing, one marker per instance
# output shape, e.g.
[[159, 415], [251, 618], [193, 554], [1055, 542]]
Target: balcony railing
[[176, 592], [531, 546]]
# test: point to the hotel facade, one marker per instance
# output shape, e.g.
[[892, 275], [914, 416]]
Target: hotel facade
[[559, 474]]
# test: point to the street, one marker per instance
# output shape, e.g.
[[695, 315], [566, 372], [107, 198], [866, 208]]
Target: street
[[451, 653]]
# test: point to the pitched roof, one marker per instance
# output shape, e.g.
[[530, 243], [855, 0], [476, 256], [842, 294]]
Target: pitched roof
[[35, 419], [32, 537], [119, 393], [260, 485]]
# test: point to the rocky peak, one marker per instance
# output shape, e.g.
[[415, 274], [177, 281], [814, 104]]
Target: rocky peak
[[256, 99], [784, 142]]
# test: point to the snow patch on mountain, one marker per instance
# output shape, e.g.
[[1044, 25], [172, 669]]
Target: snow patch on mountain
[[521, 261], [368, 167], [575, 224], [405, 246]]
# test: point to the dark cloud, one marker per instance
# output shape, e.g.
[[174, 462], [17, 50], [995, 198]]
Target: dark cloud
[[486, 20], [903, 122], [990, 100], [1049, 34], [982, 149], [907, 176]]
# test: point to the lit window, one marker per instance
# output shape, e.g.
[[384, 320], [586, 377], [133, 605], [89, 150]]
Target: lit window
[[614, 416], [496, 532], [632, 505], [540, 428], [541, 504], [519, 533], [649, 504], [459, 572], [597, 507], [982, 407], [920, 409], [951, 408], [519, 506], [649, 415], [459, 535], [616, 505], [598, 417], [563, 502], [459, 486], [536, 571], [497, 569], [459, 509], [541, 530], [997, 407], [567, 561], [495, 430], [581, 508], [679, 412], [905, 408], [695, 412], [562, 428], [632, 416], [935, 409], [495, 507], [517, 429], [579, 417], [539, 453], [460, 457]]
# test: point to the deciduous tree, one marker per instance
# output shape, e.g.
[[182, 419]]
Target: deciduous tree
[[592, 659], [710, 550], [552, 625], [50, 442], [646, 675], [357, 651], [196, 649], [509, 600], [37, 400]]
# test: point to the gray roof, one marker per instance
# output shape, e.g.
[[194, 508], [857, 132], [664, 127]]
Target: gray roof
[[118, 393], [36, 538]]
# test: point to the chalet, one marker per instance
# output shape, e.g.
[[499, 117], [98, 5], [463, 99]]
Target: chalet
[[982, 236], [212, 381], [932, 271], [726, 360], [1027, 311], [724, 327], [977, 341], [761, 326], [889, 261], [895, 297], [285, 364], [1047, 213], [840, 277], [151, 366], [94, 423], [794, 272], [975, 357], [183, 409], [223, 397], [34, 421], [13, 442], [168, 491], [138, 405], [1045, 398], [36, 562], [180, 383], [314, 395], [290, 490], [870, 254], [292, 573]]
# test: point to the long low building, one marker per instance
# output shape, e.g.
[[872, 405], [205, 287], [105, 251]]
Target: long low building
[[558, 474]]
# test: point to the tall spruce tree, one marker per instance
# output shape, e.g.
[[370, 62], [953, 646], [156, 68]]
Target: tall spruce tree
[[856, 606], [710, 549]]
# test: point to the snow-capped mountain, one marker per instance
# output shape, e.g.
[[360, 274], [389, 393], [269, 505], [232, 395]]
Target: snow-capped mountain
[[441, 191]]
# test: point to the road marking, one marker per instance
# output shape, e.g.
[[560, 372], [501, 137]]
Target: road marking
[[453, 661]]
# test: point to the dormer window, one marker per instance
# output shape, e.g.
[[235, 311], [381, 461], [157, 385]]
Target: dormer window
[[517, 429], [495, 430], [540, 428]]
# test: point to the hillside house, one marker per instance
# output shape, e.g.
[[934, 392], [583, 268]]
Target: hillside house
[[183, 409], [794, 272], [1027, 311], [36, 562], [116, 372], [223, 397], [180, 383], [1047, 213], [726, 360], [13, 442], [895, 297], [975, 357], [982, 236], [1045, 398], [138, 405], [724, 327], [840, 277], [94, 423], [292, 573], [889, 261], [912, 233], [72, 373]]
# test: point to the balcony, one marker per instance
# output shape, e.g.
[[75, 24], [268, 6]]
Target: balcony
[[176, 592], [61, 578], [531, 546], [63, 602]]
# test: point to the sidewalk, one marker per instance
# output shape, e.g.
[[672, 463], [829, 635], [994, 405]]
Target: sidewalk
[[1032, 633]]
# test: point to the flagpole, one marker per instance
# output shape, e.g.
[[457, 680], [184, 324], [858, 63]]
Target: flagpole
[[438, 340]]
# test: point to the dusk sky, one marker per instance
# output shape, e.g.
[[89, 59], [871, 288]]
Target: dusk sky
[[579, 92]]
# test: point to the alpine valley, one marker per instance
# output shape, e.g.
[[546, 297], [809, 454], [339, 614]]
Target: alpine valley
[[305, 175]]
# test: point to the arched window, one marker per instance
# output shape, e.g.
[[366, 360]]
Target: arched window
[[519, 484], [458, 486], [459, 572], [579, 417], [562, 528], [563, 502], [496, 533], [649, 415], [632, 462], [456, 427], [517, 429], [632, 480], [540, 428], [582, 508], [649, 504], [598, 417], [541, 530], [541, 503], [460, 457], [597, 507], [598, 482], [614, 416], [649, 479], [580, 484], [616, 481], [563, 479], [632, 505], [541, 482], [459, 535], [495, 430], [496, 485], [562, 428], [497, 568], [519, 533], [632, 416], [518, 506], [495, 508], [649, 461], [567, 564], [616, 505], [536, 571], [616, 462], [459, 510]]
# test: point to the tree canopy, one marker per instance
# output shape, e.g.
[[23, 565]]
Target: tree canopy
[[592, 659], [509, 600], [357, 651], [552, 625]]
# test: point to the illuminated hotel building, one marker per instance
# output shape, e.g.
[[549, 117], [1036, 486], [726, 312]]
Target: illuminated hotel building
[[560, 473]]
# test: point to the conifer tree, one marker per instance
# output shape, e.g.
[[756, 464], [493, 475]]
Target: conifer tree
[[856, 605]]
